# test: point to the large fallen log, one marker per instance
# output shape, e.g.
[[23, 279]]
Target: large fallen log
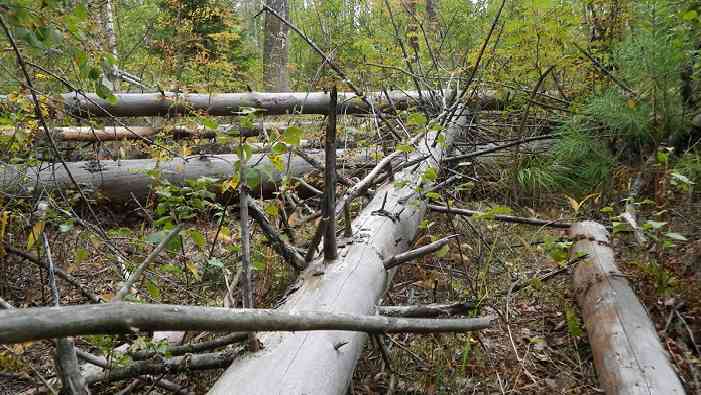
[[117, 133], [225, 104], [122, 181], [628, 356], [323, 362]]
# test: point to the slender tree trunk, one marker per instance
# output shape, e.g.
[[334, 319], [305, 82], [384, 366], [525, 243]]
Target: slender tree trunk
[[110, 78], [275, 76]]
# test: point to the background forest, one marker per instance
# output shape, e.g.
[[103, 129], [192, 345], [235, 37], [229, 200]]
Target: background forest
[[597, 116]]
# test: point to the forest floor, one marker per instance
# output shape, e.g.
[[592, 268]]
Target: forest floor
[[521, 274]]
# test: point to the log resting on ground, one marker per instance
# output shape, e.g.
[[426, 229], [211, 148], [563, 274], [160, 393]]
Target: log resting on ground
[[117, 133], [323, 362], [226, 104], [117, 181], [628, 355]]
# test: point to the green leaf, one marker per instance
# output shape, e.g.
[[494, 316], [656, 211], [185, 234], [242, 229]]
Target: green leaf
[[105, 92], [690, 15], [293, 135], [209, 123], [80, 255], [416, 119], [405, 148], [278, 148], [443, 251], [198, 238], [573, 325], [655, 225], [153, 290], [430, 174], [170, 268], [675, 236]]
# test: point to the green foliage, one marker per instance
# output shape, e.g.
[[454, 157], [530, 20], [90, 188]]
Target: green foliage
[[177, 203], [578, 162]]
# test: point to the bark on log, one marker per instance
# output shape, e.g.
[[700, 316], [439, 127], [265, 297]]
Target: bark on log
[[628, 356], [323, 362], [118, 180], [22, 325], [226, 104]]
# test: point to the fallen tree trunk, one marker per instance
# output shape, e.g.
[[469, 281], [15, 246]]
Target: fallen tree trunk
[[323, 362], [628, 356], [122, 181], [226, 104], [118, 133], [22, 325]]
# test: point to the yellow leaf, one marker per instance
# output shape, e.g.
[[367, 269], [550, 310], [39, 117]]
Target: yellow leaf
[[631, 103], [224, 235], [192, 268], [185, 150], [4, 217], [573, 203], [37, 230]]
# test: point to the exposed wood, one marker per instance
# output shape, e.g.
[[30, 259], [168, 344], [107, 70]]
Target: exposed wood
[[407, 256], [628, 356], [116, 181], [22, 325], [499, 217], [353, 283]]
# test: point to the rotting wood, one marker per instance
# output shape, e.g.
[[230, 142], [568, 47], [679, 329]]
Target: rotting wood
[[22, 325], [353, 283], [628, 355], [226, 104]]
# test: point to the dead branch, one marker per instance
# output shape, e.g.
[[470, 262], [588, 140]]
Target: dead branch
[[22, 325], [398, 259], [504, 218]]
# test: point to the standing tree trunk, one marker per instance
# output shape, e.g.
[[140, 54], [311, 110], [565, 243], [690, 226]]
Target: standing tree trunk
[[275, 54], [106, 12]]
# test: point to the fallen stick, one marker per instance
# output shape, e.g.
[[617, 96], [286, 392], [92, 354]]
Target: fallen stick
[[628, 355], [398, 259], [504, 218], [22, 325], [170, 365], [426, 310]]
